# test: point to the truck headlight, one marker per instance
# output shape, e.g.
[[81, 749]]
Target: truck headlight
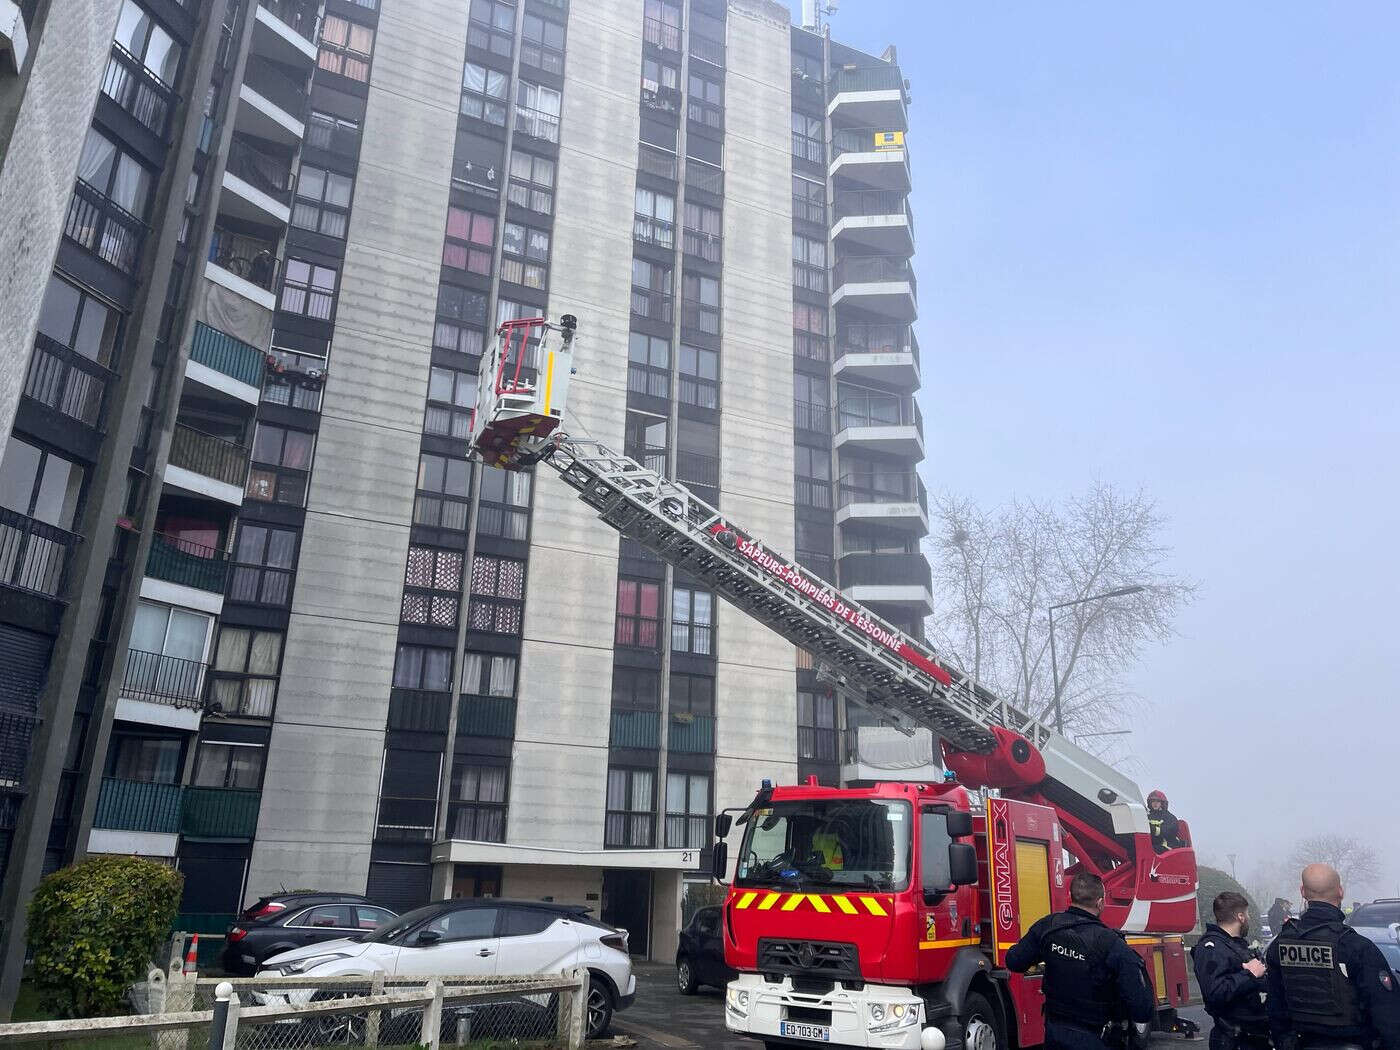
[[892, 1016], [737, 1000]]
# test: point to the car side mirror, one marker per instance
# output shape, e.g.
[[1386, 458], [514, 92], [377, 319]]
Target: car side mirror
[[427, 938], [959, 824], [962, 863], [723, 822], [719, 861]]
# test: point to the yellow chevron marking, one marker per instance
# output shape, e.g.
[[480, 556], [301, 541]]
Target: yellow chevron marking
[[873, 906], [819, 904], [794, 899], [746, 899], [769, 901], [845, 905]]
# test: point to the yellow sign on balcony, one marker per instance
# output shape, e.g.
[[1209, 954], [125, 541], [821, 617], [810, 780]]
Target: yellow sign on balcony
[[888, 140]]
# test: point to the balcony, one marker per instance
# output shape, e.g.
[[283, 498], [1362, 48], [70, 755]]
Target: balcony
[[703, 245], [885, 352], [64, 380], [419, 710], [659, 162], [219, 813], [187, 563], [874, 221], [662, 34], [697, 468], [635, 729], [659, 233], [889, 424], [489, 716], [221, 362], [257, 184], [160, 679], [707, 50], [653, 306], [272, 103], [33, 554], [207, 465], [105, 228], [245, 264], [285, 31], [812, 492], [691, 734], [329, 134], [870, 97], [700, 316], [808, 415], [134, 805], [896, 500], [708, 178], [893, 579], [875, 157], [880, 284], [137, 90]]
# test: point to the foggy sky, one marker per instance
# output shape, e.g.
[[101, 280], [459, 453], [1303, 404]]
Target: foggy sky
[[1161, 247]]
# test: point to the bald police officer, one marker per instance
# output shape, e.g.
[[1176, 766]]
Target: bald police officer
[[1328, 985], [1092, 978]]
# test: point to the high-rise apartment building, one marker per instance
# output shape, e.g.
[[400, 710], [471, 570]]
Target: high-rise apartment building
[[259, 616]]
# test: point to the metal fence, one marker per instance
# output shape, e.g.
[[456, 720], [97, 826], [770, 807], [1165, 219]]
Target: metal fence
[[66, 381]]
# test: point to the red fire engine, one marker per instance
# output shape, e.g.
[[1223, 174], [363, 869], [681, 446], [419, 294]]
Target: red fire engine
[[874, 916]]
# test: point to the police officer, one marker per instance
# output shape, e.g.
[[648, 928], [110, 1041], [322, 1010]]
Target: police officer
[[1328, 985], [1231, 978], [1092, 978]]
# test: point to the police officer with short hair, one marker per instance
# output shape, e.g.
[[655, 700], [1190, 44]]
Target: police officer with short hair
[[1231, 978], [1092, 978], [1329, 986]]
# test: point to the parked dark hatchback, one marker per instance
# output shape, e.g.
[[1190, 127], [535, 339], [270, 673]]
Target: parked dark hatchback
[[700, 954], [292, 920]]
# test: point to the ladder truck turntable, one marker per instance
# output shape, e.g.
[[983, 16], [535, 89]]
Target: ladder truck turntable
[[873, 916]]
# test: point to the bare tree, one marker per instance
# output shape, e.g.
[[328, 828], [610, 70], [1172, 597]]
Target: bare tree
[[997, 572], [1355, 861]]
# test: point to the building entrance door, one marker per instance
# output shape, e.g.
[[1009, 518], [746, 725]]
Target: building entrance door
[[627, 903]]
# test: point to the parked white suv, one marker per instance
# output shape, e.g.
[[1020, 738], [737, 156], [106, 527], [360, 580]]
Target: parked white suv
[[485, 938]]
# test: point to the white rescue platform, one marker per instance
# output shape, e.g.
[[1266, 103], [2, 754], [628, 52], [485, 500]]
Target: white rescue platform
[[522, 388]]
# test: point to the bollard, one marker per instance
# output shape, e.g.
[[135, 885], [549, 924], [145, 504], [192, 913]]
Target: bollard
[[219, 1022]]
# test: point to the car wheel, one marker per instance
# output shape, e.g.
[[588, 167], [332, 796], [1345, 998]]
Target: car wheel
[[685, 977], [981, 1024], [345, 1029], [600, 1010]]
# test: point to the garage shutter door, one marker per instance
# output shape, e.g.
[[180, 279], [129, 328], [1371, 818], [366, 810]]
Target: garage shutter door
[[401, 887]]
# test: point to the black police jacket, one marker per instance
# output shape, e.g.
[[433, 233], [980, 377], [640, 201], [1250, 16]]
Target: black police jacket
[[1231, 992], [1092, 977], [1326, 981]]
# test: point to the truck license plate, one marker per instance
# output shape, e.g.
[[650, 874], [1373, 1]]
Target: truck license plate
[[795, 1030]]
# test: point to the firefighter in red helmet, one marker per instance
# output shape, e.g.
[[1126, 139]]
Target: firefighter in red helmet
[[1166, 833]]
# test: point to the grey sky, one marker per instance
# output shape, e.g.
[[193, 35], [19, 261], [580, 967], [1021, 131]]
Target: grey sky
[[1159, 247]]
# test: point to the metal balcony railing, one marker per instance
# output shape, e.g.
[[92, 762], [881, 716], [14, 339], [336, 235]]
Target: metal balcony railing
[[862, 140], [219, 813], [649, 230], [263, 171], [66, 381], [187, 563], [871, 78], [687, 832], [875, 269], [697, 468], [886, 570], [419, 710], [875, 410], [208, 455], [651, 457], [135, 805], [659, 162], [691, 734], [702, 176], [655, 306], [272, 83], [326, 133], [809, 210], [808, 415], [537, 123], [702, 245], [876, 339], [164, 679], [662, 34], [639, 729], [812, 492], [706, 114], [489, 716], [105, 228], [33, 554], [223, 353], [707, 50], [817, 564], [810, 347], [870, 202], [701, 316], [137, 90], [900, 487], [251, 258], [299, 16]]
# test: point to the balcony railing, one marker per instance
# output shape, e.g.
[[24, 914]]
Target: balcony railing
[[697, 468], [134, 805], [885, 570], [707, 50], [702, 176], [687, 832], [639, 729], [294, 379], [269, 81], [66, 381], [691, 734], [227, 355], [871, 78], [706, 114], [187, 563], [659, 162], [863, 140], [537, 123], [817, 564], [326, 133], [490, 716], [651, 457], [870, 202], [655, 306], [219, 813], [263, 171], [137, 90], [808, 415], [707, 246], [208, 455], [33, 554], [164, 679], [105, 228], [899, 487], [649, 230], [809, 209], [876, 410], [701, 316], [419, 710], [810, 347], [875, 269], [662, 34], [251, 258], [298, 15], [876, 339], [812, 492]]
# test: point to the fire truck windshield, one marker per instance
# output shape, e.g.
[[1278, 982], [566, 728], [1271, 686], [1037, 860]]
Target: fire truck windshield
[[834, 842]]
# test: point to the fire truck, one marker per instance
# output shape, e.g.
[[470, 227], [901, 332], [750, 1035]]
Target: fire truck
[[872, 916]]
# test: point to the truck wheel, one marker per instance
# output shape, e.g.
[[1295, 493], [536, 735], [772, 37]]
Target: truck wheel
[[981, 1024]]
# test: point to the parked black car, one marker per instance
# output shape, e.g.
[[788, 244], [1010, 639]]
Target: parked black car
[[700, 954], [290, 920]]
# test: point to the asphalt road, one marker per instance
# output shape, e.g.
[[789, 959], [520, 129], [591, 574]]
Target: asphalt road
[[663, 1019]]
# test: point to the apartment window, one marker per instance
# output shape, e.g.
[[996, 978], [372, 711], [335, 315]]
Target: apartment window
[[167, 652], [408, 795], [432, 581], [444, 491], [485, 94], [504, 510], [484, 675], [537, 111], [809, 263], [345, 48], [872, 540], [461, 320], [451, 396], [492, 26], [630, 804], [245, 671], [263, 559], [542, 45], [644, 439], [661, 81], [322, 202], [705, 101], [471, 236], [651, 291], [701, 307], [224, 765], [636, 689], [699, 370], [808, 66], [479, 802], [662, 25], [116, 175], [816, 726], [812, 467], [702, 231], [498, 595], [81, 322], [648, 365], [334, 134], [813, 543], [478, 162], [692, 621], [692, 694], [638, 614], [293, 379], [151, 760], [687, 810], [531, 182], [809, 331], [808, 138], [654, 218], [811, 402], [308, 289], [808, 200], [281, 465], [145, 39], [423, 667], [524, 255]]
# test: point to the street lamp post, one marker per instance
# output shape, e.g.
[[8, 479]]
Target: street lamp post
[[1117, 592]]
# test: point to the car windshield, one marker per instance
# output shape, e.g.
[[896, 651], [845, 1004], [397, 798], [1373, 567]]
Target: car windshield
[[832, 842], [1378, 914], [404, 922]]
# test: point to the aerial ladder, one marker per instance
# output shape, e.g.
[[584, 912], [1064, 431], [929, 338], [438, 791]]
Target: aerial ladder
[[988, 743]]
